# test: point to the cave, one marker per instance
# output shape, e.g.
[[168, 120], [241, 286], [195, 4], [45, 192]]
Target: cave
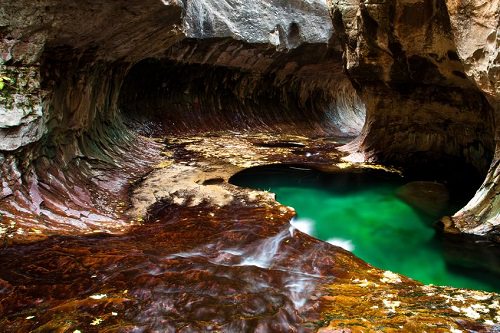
[[297, 93], [125, 126]]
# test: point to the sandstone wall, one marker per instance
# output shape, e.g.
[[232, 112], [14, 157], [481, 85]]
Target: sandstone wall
[[64, 149], [475, 25], [427, 71]]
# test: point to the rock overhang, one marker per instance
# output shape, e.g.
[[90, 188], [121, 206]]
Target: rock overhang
[[86, 49]]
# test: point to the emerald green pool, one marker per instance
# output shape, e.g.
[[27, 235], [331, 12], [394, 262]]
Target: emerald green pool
[[365, 214]]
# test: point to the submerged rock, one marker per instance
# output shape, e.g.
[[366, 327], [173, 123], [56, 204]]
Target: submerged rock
[[429, 197]]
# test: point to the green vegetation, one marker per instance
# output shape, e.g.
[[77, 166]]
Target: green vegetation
[[5, 81]]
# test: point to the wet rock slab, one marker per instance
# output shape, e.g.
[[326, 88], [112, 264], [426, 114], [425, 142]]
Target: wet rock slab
[[209, 256], [239, 268]]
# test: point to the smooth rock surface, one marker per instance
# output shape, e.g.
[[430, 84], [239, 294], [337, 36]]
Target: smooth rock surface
[[476, 32], [284, 24], [429, 197]]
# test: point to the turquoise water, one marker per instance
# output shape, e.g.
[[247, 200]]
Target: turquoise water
[[364, 214]]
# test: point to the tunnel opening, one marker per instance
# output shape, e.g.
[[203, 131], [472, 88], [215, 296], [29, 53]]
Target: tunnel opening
[[201, 94], [202, 86], [197, 88], [303, 91]]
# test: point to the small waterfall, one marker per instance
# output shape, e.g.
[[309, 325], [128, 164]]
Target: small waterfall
[[297, 282], [265, 252]]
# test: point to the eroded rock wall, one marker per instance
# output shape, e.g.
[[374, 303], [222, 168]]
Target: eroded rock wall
[[222, 84], [62, 140], [420, 105], [283, 24], [475, 25], [412, 62], [64, 150]]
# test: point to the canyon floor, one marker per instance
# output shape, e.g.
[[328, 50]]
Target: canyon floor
[[211, 256]]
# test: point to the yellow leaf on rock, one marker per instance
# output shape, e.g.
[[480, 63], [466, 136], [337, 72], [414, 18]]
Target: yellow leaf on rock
[[96, 322]]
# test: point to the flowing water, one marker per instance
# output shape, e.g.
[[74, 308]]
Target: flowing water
[[190, 269], [383, 220], [235, 268]]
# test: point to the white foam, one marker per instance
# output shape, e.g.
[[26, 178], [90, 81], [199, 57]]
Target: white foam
[[346, 244], [233, 252], [304, 225]]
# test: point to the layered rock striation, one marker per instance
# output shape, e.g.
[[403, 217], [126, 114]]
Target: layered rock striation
[[434, 78], [415, 81], [430, 91], [475, 26], [423, 110], [67, 62]]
